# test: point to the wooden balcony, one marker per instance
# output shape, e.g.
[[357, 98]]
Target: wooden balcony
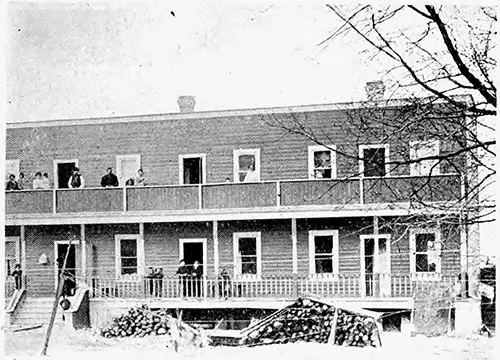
[[348, 285], [228, 196]]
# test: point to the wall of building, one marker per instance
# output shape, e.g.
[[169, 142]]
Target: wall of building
[[283, 154]]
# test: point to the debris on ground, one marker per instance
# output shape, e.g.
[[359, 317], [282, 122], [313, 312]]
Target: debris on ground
[[315, 321]]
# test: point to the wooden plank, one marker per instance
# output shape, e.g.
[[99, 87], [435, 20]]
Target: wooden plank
[[333, 330]]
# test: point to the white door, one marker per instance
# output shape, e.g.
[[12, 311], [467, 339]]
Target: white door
[[376, 265], [11, 167], [126, 167]]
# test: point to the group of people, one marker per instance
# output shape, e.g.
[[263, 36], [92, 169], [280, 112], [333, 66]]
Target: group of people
[[190, 279], [75, 180], [154, 281]]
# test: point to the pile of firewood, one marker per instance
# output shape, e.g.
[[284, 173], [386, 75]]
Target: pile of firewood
[[139, 322], [314, 321]]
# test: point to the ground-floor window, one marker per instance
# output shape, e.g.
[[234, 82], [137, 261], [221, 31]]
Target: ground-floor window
[[128, 251], [11, 253], [247, 253], [425, 248], [323, 252]]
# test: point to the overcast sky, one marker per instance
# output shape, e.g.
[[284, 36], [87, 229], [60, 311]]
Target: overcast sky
[[74, 60]]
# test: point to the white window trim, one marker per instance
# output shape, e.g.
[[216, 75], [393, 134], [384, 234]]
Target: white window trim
[[192, 156], [119, 158], [237, 270], [310, 156], [197, 240], [140, 256], [75, 243], [17, 241], [413, 166], [61, 161], [413, 252], [14, 163], [374, 146], [312, 253], [236, 155]]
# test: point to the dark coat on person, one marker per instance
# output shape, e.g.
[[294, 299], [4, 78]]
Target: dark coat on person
[[12, 185], [109, 180]]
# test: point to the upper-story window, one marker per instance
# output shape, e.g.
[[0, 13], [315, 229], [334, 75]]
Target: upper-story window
[[246, 164], [425, 248], [374, 160], [322, 162], [323, 252], [422, 150]]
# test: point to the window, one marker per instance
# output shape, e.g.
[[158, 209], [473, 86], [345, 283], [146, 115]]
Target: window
[[126, 167], [374, 160], [247, 253], [246, 165], [192, 169], [425, 247], [129, 255], [11, 253], [423, 149], [11, 167], [322, 162], [323, 252]]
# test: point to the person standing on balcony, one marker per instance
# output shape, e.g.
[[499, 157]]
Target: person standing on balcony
[[76, 180], [110, 179], [12, 183], [159, 281], [140, 180], [182, 272], [197, 274], [18, 274], [45, 182], [38, 182], [21, 182]]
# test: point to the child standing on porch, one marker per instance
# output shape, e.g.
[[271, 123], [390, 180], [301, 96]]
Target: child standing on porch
[[17, 274]]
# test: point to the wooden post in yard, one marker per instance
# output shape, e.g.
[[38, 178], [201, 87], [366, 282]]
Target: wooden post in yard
[[60, 284]]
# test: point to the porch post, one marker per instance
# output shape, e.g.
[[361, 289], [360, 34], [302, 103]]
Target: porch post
[[23, 249], [215, 236], [141, 259], [295, 266], [83, 244], [375, 225]]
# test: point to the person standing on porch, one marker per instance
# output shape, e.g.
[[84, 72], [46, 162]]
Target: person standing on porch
[[197, 274], [140, 180], [110, 179], [38, 182], [18, 274], [45, 182], [76, 180], [182, 272], [12, 183]]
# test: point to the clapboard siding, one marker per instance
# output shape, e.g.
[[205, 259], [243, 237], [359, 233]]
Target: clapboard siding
[[161, 142]]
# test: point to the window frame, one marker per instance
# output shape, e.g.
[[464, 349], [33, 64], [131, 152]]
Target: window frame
[[413, 253], [335, 252], [13, 163], [236, 154], [56, 173], [413, 155], [203, 158], [139, 251], [310, 160], [237, 271], [118, 168], [387, 158]]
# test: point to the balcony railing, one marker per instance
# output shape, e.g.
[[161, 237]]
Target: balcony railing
[[268, 194], [272, 287]]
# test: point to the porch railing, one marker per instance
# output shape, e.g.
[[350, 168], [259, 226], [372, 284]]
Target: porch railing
[[264, 194], [349, 285]]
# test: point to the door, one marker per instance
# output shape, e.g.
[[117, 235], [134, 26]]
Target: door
[[192, 250], [127, 167], [376, 265], [63, 172], [192, 169], [61, 248]]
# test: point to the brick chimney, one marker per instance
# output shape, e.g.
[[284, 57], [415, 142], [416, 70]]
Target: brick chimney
[[186, 103], [375, 90]]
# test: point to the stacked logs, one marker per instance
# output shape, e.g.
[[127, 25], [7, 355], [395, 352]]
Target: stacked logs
[[355, 330], [138, 322], [314, 321]]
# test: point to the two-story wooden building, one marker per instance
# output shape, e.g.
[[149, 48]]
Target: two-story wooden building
[[289, 201]]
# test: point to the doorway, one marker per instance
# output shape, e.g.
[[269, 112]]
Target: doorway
[[192, 169], [192, 250], [375, 265], [127, 167], [62, 172], [61, 248]]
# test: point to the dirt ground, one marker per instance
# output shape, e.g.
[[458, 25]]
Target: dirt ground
[[73, 345]]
